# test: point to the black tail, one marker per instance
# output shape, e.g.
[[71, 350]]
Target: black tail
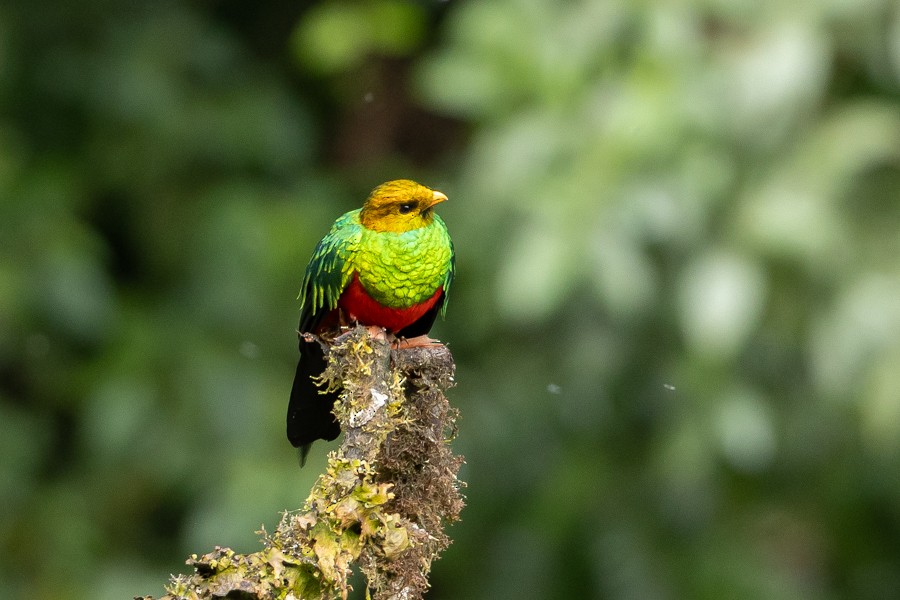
[[309, 416]]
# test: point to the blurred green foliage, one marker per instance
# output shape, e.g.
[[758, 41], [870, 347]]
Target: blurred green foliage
[[676, 321]]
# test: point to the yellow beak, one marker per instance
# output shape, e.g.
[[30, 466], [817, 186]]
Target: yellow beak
[[438, 198]]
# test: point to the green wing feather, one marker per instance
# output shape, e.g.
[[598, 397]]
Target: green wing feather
[[329, 271], [448, 278]]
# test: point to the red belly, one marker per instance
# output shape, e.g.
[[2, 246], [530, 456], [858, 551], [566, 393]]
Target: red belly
[[357, 303]]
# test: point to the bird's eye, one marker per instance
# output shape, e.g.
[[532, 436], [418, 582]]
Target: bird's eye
[[405, 209]]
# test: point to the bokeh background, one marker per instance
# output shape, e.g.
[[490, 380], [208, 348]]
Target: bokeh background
[[676, 317]]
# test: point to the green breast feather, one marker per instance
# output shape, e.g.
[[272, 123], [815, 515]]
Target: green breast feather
[[396, 269]]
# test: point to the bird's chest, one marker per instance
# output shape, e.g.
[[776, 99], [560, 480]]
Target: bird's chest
[[401, 270]]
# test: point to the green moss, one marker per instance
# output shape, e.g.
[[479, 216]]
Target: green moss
[[363, 509]]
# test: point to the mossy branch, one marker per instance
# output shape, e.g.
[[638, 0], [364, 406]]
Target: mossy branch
[[382, 503]]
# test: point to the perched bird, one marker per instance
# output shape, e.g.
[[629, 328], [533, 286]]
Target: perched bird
[[389, 265]]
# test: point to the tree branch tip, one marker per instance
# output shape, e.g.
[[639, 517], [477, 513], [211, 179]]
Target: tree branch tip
[[383, 501]]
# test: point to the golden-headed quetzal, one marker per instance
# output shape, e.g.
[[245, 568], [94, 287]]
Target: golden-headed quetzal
[[389, 265]]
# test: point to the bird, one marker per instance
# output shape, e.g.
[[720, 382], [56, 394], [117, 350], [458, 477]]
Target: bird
[[387, 265]]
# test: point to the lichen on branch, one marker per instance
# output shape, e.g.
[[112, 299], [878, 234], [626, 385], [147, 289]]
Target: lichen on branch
[[384, 500]]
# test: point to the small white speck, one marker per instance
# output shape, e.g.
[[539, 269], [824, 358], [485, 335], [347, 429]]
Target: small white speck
[[249, 349], [554, 389], [378, 399], [369, 97], [669, 387], [361, 417]]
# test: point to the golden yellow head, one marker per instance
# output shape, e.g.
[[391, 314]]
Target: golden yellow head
[[400, 205]]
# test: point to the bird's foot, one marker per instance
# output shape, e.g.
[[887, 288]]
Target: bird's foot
[[377, 333], [420, 341]]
